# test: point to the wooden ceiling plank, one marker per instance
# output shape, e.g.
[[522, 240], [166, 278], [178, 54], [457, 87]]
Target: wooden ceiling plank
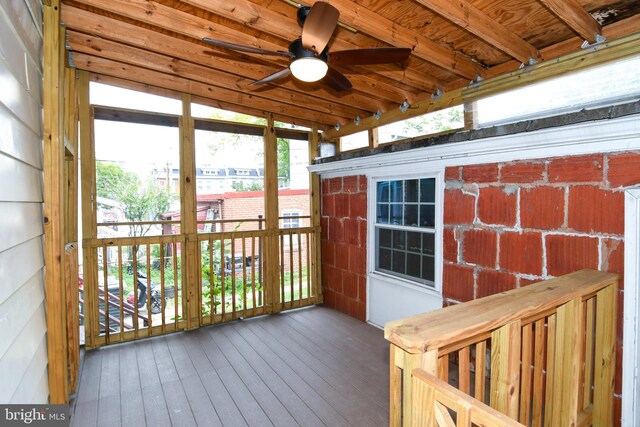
[[169, 93], [126, 71], [467, 16], [575, 17], [383, 29], [610, 51], [287, 27], [118, 52], [123, 32], [162, 16]]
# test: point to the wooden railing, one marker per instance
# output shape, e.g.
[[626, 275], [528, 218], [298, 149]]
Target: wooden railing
[[543, 355], [231, 280]]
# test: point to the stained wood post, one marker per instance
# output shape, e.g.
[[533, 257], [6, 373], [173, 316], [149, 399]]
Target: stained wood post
[[53, 131], [316, 247], [190, 253], [272, 261], [605, 360], [505, 369], [88, 198]]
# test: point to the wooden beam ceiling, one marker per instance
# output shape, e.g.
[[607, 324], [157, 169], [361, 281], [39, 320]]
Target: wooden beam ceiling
[[156, 45]]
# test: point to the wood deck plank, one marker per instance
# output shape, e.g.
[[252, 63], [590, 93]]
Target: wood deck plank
[[281, 369]]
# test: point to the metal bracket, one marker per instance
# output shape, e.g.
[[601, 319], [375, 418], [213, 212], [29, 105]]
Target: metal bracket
[[600, 39], [404, 106], [357, 120], [377, 114], [437, 95], [337, 126]]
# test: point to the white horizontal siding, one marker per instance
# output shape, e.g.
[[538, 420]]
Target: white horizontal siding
[[23, 344]]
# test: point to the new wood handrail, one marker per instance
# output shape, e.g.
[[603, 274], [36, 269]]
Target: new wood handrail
[[440, 328]]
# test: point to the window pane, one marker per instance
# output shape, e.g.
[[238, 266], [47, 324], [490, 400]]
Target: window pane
[[427, 190], [428, 268], [411, 190], [383, 213], [384, 238], [398, 262], [413, 265], [383, 192], [427, 216], [411, 215], [399, 239], [396, 191], [396, 214], [414, 239], [384, 259], [428, 244]]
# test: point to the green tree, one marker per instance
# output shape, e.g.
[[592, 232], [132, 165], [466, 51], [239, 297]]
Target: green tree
[[242, 186], [440, 121], [138, 201]]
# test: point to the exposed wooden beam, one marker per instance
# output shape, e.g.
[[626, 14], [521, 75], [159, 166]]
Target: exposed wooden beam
[[118, 52], [174, 94], [576, 17], [377, 26], [197, 28], [467, 16], [607, 52], [130, 72], [286, 27]]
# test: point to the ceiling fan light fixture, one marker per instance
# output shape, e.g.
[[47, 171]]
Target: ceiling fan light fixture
[[309, 69]]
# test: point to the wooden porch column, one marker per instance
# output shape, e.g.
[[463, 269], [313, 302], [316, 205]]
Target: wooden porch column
[[272, 261], [190, 253], [316, 248], [53, 126]]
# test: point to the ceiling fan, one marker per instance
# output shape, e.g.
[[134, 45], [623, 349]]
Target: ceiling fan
[[310, 58]]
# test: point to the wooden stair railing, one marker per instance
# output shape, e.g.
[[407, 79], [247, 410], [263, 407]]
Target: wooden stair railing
[[434, 399], [543, 355]]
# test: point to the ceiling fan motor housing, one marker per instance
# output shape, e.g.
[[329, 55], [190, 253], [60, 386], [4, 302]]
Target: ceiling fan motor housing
[[300, 52], [302, 13]]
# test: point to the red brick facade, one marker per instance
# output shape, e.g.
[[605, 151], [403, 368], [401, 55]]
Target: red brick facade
[[511, 224], [344, 243]]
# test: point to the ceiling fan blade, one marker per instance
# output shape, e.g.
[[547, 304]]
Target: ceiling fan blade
[[336, 80], [272, 77], [382, 55], [319, 26], [244, 48]]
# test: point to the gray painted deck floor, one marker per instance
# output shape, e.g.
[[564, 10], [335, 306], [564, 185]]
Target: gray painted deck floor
[[308, 367]]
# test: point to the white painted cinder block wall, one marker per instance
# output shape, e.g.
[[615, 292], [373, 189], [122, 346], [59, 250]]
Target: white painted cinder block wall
[[23, 344]]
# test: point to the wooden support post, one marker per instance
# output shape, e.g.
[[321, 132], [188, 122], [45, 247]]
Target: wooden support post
[[53, 126], [373, 138], [316, 248], [566, 371], [470, 115], [190, 253], [272, 261], [88, 202], [605, 352], [505, 369]]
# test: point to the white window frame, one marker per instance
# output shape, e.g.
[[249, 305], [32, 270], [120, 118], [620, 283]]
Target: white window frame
[[290, 214], [408, 228], [438, 174]]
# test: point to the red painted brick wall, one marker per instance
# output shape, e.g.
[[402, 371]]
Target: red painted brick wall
[[344, 242], [511, 224]]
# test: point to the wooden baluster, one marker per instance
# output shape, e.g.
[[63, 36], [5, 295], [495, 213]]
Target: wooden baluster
[[134, 266], [233, 277], [253, 275], [281, 262], [464, 373], [605, 361], [525, 381], [105, 295], [149, 309], [291, 271], [550, 379], [538, 372], [223, 281], [443, 368], [481, 353], [177, 301], [505, 369], [299, 269], [396, 363], [309, 269], [162, 284], [589, 353], [244, 278], [121, 293], [212, 282]]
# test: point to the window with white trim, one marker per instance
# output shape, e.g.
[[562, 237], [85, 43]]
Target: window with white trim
[[291, 218], [405, 229]]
